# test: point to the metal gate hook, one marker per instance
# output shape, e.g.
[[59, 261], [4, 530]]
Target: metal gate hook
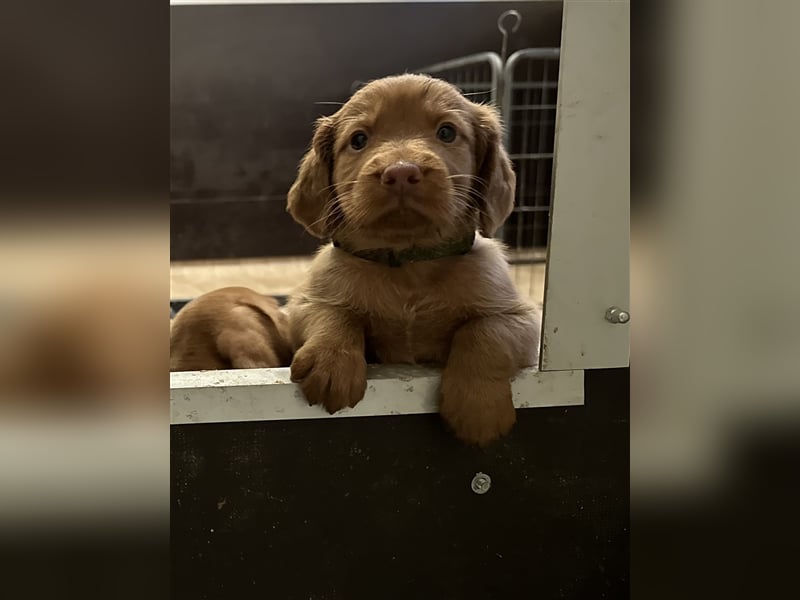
[[505, 31]]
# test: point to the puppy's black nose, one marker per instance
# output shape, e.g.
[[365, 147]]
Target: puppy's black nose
[[401, 175]]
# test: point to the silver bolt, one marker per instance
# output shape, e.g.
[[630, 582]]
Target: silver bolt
[[617, 315], [481, 483]]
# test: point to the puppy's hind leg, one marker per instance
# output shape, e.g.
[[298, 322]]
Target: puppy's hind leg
[[253, 344], [247, 350]]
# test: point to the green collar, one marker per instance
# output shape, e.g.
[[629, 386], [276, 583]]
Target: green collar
[[398, 258]]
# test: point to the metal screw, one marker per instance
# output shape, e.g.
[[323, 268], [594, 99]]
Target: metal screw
[[617, 315], [481, 483]]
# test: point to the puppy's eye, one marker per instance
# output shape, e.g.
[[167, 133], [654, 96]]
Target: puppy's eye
[[446, 133], [358, 140]]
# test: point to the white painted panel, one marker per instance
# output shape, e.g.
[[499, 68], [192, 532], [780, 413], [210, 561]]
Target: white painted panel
[[268, 394], [588, 259]]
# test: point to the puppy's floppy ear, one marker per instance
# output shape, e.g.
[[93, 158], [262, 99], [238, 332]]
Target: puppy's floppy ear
[[497, 184], [310, 195]]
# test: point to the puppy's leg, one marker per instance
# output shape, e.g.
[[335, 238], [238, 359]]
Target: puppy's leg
[[476, 388], [329, 365], [248, 350], [253, 337]]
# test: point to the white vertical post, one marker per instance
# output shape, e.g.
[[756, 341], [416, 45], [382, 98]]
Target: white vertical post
[[588, 258]]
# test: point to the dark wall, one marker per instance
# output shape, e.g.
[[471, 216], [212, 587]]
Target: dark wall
[[380, 508], [244, 83]]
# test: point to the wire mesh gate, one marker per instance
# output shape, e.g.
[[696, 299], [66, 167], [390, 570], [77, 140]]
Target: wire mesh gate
[[478, 76], [530, 79], [524, 88]]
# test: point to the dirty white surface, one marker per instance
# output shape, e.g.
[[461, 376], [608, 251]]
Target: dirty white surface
[[268, 394], [588, 262]]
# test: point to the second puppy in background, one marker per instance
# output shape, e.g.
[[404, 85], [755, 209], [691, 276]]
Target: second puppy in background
[[229, 328], [400, 179]]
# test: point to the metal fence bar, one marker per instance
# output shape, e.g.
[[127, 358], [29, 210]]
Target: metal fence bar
[[527, 102], [490, 85], [525, 95]]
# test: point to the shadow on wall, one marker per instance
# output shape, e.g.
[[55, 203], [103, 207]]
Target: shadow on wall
[[245, 81]]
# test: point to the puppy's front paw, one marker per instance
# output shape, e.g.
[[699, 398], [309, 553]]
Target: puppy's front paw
[[479, 411], [335, 378]]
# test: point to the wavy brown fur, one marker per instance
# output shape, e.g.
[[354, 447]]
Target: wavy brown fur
[[462, 312]]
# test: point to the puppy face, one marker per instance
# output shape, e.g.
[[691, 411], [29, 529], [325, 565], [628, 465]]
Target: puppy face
[[408, 160]]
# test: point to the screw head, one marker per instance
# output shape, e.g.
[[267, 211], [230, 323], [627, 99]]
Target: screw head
[[481, 483], [617, 315]]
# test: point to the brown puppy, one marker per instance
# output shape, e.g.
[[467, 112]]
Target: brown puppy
[[229, 328], [400, 178]]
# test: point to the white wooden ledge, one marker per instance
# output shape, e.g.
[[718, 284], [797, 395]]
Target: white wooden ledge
[[268, 394]]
